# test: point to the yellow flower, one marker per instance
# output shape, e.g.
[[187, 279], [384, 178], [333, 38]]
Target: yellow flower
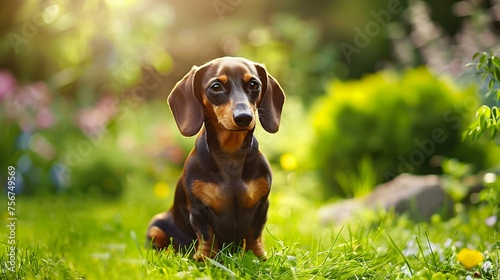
[[470, 258], [161, 189], [288, 161]]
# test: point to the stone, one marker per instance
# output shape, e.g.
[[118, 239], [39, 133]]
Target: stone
[[419, 196]]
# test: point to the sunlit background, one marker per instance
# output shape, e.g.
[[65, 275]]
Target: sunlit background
[[83, 84]]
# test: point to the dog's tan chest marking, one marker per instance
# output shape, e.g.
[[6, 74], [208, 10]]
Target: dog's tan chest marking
[[210, 194], [255, 190], [216, 196]]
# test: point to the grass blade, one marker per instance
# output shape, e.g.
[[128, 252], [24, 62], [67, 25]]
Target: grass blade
[[401, 253], [221, 266]]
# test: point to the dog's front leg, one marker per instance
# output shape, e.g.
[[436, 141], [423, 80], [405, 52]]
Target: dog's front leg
[[254, 240], [207, 244]]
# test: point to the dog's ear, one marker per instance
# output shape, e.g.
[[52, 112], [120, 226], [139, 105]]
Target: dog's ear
[[272, 100], [186, 107]]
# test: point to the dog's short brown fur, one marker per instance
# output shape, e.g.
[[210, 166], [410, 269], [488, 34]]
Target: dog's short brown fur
[[222, 195]]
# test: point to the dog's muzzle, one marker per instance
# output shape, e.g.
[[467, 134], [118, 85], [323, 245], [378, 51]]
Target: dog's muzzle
[[242, 115]]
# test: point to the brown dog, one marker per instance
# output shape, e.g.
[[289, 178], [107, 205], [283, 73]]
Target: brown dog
[[222, 195]]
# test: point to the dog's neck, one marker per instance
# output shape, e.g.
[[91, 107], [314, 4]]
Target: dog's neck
[[232, 143], [228, 149]]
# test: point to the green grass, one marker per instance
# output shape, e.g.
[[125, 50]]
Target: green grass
[[64, 237]]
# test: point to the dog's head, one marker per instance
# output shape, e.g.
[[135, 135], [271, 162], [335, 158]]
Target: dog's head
[[230, 91]]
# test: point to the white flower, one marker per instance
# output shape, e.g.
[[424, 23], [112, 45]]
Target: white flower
[[448, 242], [411, 248], [491, 220], [487, 266], [468, 277], [406, 270]]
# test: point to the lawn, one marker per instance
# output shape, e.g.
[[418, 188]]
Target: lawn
[[75, 237]]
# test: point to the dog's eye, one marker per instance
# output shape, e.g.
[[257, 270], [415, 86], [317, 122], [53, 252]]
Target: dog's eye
[[254, 85], [216, 87]]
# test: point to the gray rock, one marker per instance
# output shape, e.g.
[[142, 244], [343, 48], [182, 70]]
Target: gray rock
[[420, 196]]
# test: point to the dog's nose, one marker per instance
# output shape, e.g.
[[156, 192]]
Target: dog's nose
[[242, 115]]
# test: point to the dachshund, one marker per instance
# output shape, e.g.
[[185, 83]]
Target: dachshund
[[221, 197]]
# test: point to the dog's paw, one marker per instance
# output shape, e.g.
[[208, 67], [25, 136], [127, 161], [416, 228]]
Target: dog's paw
[[156, 234], [157, 237], [205, 250], [260, 254], [257, 248], [263, 257], [199, 257]]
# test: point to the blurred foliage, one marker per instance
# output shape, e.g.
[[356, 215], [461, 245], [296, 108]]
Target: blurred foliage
[[487, 69], [491, 194], [296, 44], [84, 48], [357, 182], [74, 76], [487, 118], [100, 156], [454, 175], [404, 123]]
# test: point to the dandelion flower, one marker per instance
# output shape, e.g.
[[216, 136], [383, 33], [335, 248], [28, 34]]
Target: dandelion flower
[[161, 189], [470, 258], [288, 162]]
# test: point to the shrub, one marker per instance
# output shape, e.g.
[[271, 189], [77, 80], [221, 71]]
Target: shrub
[[403, 123], [487, 117]]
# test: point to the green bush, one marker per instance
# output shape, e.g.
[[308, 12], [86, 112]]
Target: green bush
[[487, 117], [402, 123]]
